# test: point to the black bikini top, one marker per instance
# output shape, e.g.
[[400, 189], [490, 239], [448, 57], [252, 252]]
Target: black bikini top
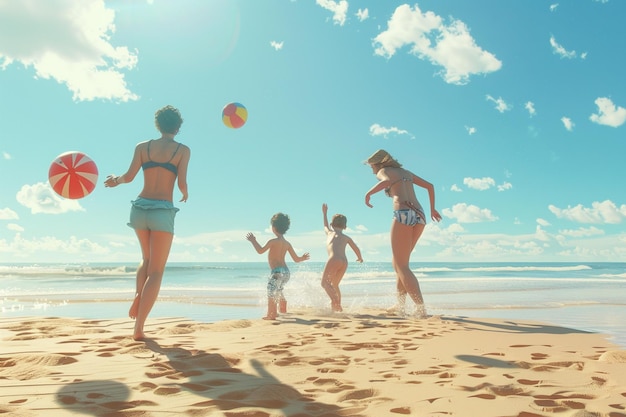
[[167, 165]]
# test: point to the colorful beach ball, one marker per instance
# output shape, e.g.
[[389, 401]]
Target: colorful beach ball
[[73, 175], [234, 115]]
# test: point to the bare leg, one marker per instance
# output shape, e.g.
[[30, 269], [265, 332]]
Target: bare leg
[[160, 244], [336, 307], [140, 281], [271, 309], [400, 306], [333, 272], [335, 280], [282, 304], [403, 240]]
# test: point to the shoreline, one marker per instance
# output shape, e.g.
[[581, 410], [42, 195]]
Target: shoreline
[[603, 319], [309, 364]]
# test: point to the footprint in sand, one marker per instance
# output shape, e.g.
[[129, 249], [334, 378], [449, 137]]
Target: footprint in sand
[[146, 386], [401, 410], [538, 356], [360, 394], [529, 382], [166, 391]]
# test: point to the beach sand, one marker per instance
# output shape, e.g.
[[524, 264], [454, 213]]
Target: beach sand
[[307, 364]]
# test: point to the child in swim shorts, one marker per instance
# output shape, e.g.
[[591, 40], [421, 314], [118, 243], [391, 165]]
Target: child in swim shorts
[[278, 247]]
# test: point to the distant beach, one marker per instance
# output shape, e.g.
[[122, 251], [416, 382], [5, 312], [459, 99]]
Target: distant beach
[[585, 296]]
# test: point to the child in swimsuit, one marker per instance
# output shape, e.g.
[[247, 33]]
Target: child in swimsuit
[[278, 247], [337, 263]]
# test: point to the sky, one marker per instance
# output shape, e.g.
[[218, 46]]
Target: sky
[[515, 111]]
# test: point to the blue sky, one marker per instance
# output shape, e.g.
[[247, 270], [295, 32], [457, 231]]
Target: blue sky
[[514, 110]]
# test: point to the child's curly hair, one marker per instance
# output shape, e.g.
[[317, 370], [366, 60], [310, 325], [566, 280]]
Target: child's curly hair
[[168, 119], [281, 223]]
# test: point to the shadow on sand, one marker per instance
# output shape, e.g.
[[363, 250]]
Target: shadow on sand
[[515, 327], [221, 389], [225, 387]]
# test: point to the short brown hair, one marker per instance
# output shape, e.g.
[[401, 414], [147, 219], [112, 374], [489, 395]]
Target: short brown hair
[[339, 221]]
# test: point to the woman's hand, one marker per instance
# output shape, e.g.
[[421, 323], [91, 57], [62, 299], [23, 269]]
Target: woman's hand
[[111, 181], [367, 201], [434, 214]]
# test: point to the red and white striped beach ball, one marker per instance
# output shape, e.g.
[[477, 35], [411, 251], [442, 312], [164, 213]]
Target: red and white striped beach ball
[[234, 115], [73, 175]]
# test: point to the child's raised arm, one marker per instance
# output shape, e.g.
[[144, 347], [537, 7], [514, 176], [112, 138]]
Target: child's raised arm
[[325, 211], [259, 249]]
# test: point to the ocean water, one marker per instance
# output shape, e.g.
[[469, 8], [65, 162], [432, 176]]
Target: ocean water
[[585, 296]]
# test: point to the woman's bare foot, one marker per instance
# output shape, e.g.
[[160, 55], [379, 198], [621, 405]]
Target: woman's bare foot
[[134, 308], [139, 336], [269, 318], [420, 312], [336, 308], [398, 310]]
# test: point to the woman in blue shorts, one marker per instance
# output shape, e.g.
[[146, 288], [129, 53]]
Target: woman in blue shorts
[[164, 163], [408, 220]]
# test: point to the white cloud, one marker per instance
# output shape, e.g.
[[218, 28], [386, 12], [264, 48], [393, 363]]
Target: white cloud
[[68, 41], [455, 228], [505, 186], [51, 247], [448, 46], [608, 113], [15, 227], [553, 7], [40, 198], [541, 234], [6, 155], [378, 130], [464, 213], [560, 50], [456, 188], [339, 9], [362, 14], [567, 122], [480, 184], [501, 105], [582, 232], [470, 130], [543, 222], [8, 214], [277, 45], [530, 106], [605, 212]]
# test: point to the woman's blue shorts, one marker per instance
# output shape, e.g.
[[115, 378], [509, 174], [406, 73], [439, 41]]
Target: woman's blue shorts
[[156, 215]]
